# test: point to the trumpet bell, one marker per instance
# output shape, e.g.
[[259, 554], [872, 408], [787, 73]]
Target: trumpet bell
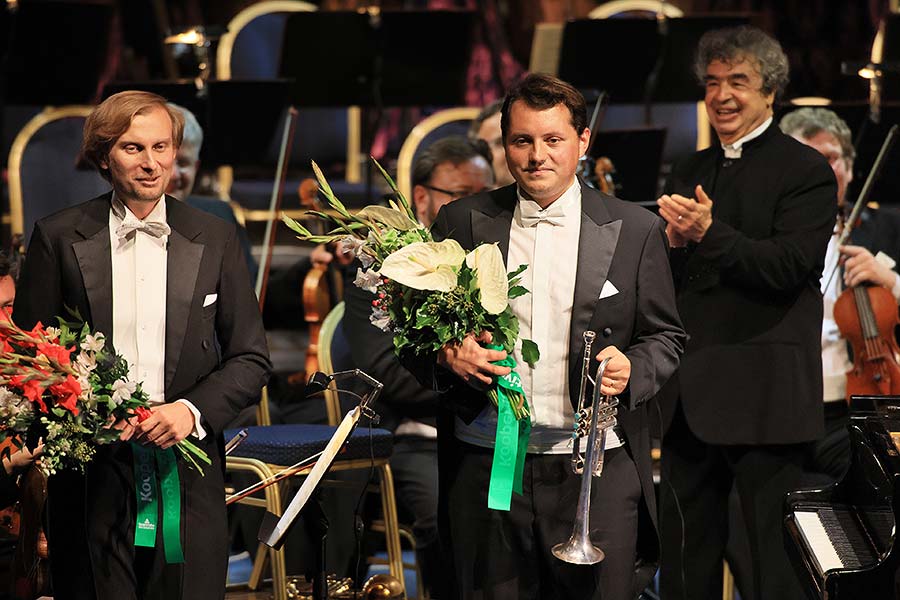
[[578, 552]]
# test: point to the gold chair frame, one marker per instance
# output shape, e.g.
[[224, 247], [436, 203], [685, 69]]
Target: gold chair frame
[[419, 133], [615, 7], [17, 151]]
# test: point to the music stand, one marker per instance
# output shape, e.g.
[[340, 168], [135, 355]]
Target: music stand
[[274, 528], [233, 133], [45, 64], [394, 58], [589, 45]]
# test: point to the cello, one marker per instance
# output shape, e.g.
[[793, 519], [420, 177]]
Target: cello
[[867, 316]]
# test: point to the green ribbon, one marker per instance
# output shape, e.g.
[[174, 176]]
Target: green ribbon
[[510, 442], [147, 463]]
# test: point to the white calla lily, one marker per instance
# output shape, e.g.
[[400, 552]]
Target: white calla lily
[[490, 276], [425, 265]]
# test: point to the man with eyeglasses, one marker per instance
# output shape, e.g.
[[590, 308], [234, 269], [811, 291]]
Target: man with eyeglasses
[[449, 169]]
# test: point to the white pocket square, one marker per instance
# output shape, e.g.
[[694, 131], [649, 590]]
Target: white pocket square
[[608, 290], [210, 298]]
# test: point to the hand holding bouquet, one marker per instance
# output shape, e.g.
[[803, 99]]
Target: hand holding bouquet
[[427, 293], [65, 386]]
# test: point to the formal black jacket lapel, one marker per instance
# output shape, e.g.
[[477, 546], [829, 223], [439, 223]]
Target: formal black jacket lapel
[[95, 263], [596, 248], [183, 265], [492, 223]]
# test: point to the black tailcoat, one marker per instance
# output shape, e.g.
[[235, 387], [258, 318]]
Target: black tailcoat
[[215, 357]]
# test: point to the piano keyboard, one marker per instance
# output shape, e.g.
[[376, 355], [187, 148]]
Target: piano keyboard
[[834, 538]]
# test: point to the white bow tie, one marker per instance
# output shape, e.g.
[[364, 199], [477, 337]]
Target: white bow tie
[[531, 214], [153, 228]]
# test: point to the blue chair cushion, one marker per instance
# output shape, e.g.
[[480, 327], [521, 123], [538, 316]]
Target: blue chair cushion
[[289, 444]]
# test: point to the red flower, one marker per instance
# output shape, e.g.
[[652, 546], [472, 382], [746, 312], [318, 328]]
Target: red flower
[[55, 351], [67, 394], [31, 389], [143, 413]]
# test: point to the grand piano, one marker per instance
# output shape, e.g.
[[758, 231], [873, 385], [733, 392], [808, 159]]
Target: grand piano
[[843, 536]]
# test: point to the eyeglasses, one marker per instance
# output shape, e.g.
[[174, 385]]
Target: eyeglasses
[[453, 194]]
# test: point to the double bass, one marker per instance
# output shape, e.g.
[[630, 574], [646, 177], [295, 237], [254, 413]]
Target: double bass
[[867, 315]]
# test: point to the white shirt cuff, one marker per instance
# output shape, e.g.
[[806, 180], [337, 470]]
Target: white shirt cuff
[[896, 289], [198, 430]]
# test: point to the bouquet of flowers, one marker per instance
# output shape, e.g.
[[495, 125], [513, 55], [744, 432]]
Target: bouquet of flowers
[[65, 386], [427, 293]]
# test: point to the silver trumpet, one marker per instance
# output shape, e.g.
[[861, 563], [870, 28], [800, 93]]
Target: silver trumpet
[[593, 421]]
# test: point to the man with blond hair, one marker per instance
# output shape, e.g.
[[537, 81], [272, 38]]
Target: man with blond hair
[[168, 287]]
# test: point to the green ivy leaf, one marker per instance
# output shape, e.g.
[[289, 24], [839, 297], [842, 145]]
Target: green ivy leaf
[[516, 291], [530, 352]]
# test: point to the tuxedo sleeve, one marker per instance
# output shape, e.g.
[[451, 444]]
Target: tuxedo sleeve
[[373, 352], [38, 290], [244, 365], [659, 338], [803, 222]]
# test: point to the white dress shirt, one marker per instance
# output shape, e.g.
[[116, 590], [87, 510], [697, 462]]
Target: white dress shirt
[[835, 358], [734, 150], [139, 264], [550, 249]]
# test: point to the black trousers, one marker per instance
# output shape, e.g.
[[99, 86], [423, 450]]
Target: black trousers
[[696, 480], [506, 555], [415, 467], [91, 522]]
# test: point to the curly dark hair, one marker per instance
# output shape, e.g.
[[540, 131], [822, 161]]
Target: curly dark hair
[[735, 44]]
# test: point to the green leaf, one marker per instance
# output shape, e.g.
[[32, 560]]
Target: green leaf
[[530, 352], [517, 272], [516, 291]]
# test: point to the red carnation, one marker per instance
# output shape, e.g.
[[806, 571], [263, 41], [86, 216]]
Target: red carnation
[[67, 394], [55, 352]]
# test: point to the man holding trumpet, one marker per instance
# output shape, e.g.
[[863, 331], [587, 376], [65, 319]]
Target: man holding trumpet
[[595, 263]]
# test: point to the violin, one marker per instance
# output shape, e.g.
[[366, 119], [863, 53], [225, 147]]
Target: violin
[[603, 172], [867, 316], [31, 561]]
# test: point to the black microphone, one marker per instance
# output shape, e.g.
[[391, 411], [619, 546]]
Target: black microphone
[[317, 383]]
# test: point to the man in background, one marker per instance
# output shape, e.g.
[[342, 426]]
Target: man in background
[[184, 175], [448, 169], [486, 126], [868, 259], [748, 221]]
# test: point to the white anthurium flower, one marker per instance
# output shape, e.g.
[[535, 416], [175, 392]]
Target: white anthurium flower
[[490, 277], [425, 265], [388, 216], [367, 280], [122, 390], [93, 343]]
